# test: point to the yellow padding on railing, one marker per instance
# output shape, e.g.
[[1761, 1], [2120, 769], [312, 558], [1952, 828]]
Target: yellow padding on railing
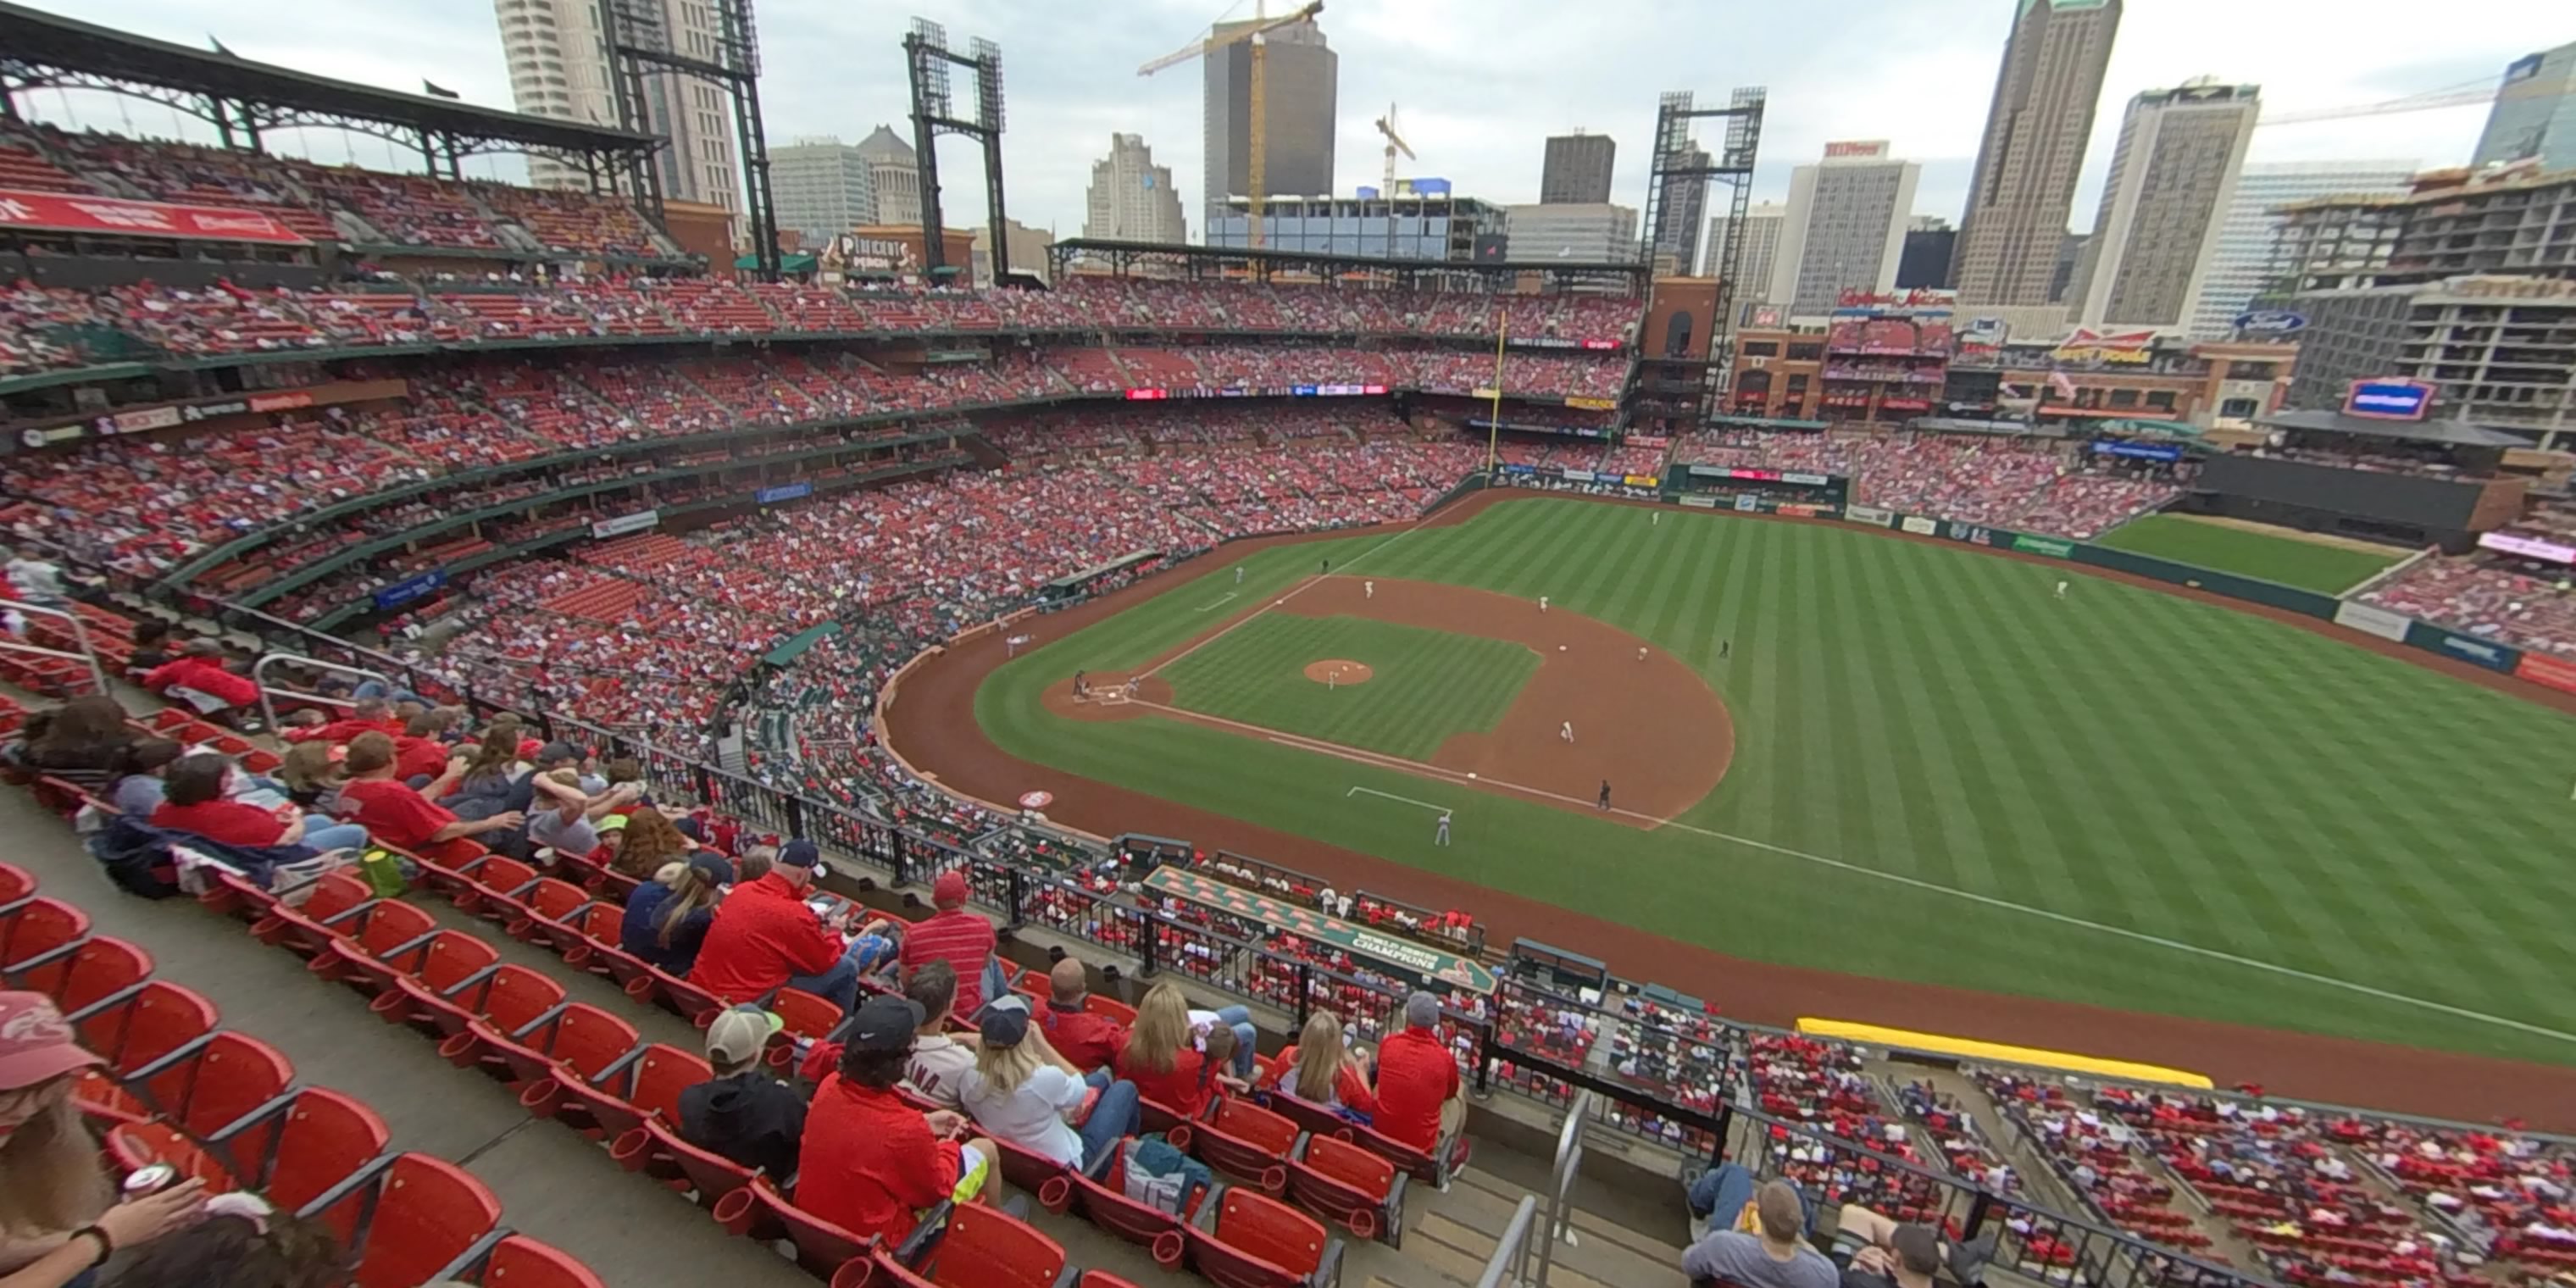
[[1969, 1048]]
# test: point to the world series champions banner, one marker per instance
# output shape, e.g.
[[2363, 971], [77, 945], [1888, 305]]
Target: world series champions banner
[[1419, 959]]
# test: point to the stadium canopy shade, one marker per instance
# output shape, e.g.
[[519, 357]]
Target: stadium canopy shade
[[2448, 433], [38, 48]]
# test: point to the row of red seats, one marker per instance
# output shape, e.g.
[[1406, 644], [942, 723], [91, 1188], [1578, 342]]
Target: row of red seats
[[225, 1108]]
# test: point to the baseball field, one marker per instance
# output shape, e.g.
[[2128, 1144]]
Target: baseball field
[[1843, 751]]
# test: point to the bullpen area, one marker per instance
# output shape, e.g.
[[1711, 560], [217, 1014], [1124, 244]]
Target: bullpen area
[[1850, 769]]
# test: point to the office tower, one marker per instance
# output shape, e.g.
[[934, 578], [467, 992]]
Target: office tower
[[1301, 77], [1762, 221], [1593, 232], [1845, 228], [2534, 116], [2036, 126], [1926, 261], [559, 66], [1131, 198], [895, 175], [822, 187], [1576, 170], [1685, 204], [2246, 233], [2173, 175]]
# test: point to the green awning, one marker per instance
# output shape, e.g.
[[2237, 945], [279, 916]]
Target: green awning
[[799, 263], [797, 644], [2160, 428]]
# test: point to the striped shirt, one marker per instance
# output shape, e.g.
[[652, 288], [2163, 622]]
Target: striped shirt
[[964, 940]]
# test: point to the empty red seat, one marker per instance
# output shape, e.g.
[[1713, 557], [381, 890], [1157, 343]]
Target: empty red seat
[[508, 997], [1250, 1240], [492, 885], [542, 913], [389, 934], [292, 1151], [330, 912], [446, 963], [648, 1086], [1342, 1182], [980, 1248], [131, 1032], [521, 1262], [577, 1043], [821, 1247], [676, 995], [1243, 1141], [206, 1087], [35, 926], [96, 969], [15, 883], [415, 1220], [657, 1150]]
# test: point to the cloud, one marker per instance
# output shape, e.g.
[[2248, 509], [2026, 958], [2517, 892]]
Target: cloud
[[1478, 83]]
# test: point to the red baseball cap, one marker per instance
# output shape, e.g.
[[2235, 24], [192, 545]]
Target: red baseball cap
[[36, 1043], [949, 888]]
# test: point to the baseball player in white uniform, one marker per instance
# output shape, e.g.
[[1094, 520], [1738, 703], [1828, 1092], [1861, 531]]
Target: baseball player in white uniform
[[1370, 587], [1442, 836], [1542, 603], [1566, 731], [2061, 588]]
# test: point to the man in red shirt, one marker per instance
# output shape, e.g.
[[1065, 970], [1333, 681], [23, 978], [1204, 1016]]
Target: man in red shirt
[[766, 937], [1086, 1040], [397, 815], [418, 753], [964, 940], [367, 715], [1419, 1095], [872, 1163], [200, 670], [194, 801]]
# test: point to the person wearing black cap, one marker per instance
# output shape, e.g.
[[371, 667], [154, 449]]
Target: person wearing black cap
[[871, 1162], [1022, 1092], [743, 1113], [765, 936]]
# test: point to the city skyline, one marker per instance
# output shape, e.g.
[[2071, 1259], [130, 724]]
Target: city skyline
[[1477, 112]]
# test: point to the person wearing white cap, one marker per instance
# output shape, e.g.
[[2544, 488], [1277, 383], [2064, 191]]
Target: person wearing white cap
[[1020, 1091], [58, 1214], [743, 1113]]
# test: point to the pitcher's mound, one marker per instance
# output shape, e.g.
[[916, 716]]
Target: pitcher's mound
[[1336, 671]]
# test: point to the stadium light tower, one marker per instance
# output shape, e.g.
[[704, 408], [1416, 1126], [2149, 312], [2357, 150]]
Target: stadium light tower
[[639, 43], [927, 58], [1678, 168]]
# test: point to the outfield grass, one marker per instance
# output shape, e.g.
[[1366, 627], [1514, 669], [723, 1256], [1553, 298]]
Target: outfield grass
[[1931, 719], [1426, 685], [2326, 569]]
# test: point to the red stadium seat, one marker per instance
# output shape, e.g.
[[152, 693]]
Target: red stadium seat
[[518, 1261], [657, 1150], [387, 933], [648, 1086], [821, 1247], [1103, 1201], [509, 997], [35, 926], [446, 963], [492, 886], [1249, 1240], [15, 883], [205, 1087], [96, 969], [545, 911], [1243, 1141], [1342, 1182], [577, 1043], [981, 1248], [130, 1032], [676, 995], [416, 1219]]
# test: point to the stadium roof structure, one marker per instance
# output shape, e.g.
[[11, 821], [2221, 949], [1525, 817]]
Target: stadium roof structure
[[1200, 262], [2446, 433], [44, 49]]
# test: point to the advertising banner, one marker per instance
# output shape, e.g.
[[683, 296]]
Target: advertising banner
[[1700, 502], [1920, 526], [1747, 503], [1520, 469], [410, 588], [2048, 546], [2374, 621], [2549, 671], [2528, 547], [2388, 399], [1641, 480], [1577, 476], [2140, 451], [1810, 480], [625, 523], [784, 492], [1868, 514], [1593, 404], [1803, 511], [2465, 648], [82, 213]]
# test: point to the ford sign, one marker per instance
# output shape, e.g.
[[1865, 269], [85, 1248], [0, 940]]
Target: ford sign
[[2388, 398], [2271, 322]]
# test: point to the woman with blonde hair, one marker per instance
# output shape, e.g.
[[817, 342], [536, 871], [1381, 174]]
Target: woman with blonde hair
[[1321, 1068], [1162, 1056], [58, 1214], [1022, 1092]]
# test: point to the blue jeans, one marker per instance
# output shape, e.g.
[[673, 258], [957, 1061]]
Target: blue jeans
[[840, 984], [1113, 1116], [389, 692], [1725, 1188], [323, 832], [997, 984], [1239, 1019]]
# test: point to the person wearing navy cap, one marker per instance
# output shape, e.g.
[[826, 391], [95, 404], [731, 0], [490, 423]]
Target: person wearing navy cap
[[765, 936], [1020, 1092]]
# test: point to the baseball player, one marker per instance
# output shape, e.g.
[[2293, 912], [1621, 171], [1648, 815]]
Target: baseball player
[[2061, 588], [1722, 647], [1641, 652], [1605, 794], [1238, 574], [1132, 682], [1081, 687], [1566, 732], [1442, 836], [1542, 603], [1371, 588], [1659, 519]]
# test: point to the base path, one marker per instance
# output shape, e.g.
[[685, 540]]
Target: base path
[[933, 722]]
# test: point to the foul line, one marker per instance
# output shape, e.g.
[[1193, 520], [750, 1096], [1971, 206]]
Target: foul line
[[1452, 776], [1293, 592], [1216, 601], [1393, 797]]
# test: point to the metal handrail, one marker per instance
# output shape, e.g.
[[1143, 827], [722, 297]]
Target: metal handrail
[[268, 709], [1511, 1252], [87, 656], [1569, 1160]]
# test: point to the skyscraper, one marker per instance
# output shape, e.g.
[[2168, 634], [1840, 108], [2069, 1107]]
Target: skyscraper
[[559, 66], [1845, 227], [822, 187], [1576, 169], [2042, 112], [2534, 113], [2237, 269], [1131, 198], [2172, 178], [1677, 224], [1590, 232], [1760, 251], [1301, 78], [1926, 261], [894, 174]]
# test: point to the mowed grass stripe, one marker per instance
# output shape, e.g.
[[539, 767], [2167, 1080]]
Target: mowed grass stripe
[[2126, 757], [2289, 560], [1427, 685]]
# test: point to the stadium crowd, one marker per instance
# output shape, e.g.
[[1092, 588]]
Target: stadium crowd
[[2037, 485], [2523, 602]]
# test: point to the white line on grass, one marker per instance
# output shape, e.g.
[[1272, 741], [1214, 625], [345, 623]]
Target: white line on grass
[[1393, 797], [1216, 601], [1293, 592], [1416, 767]]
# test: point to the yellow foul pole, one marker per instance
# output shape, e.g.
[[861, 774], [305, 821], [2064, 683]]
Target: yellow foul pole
[[1494, 425]]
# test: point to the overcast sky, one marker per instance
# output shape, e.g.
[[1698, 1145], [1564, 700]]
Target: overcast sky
[[1478, 83]]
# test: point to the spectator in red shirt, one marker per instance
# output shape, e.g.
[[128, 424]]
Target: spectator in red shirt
[[367, 715], [194, 801], [419, 752], [871, 1162], [1163, 1059], [964, 940], [199, 671], [1419, 1094], [765, 937], [397, 815], [1089, 1041]]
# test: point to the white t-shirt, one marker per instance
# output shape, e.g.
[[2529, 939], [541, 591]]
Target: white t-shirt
[[1031, 1117], [939, 1066]]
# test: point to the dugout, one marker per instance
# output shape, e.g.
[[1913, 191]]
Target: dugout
[[2414, 483]]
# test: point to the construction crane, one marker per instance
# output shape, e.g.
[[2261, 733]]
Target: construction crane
[[1256, 163], [1394, 143], [2464, 95]]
